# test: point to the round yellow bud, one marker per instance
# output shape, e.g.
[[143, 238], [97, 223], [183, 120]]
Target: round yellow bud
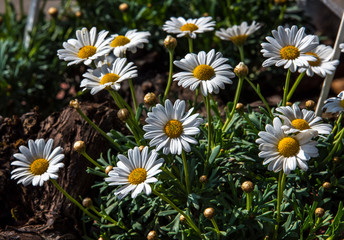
[[319, 212], [152, 235], [141, 148], [336, 160], [100, 238], [182, 218], [310, 104], [87, 202], [150, 99], [123, 7], [241, 70], [209, 213], [123, 114], [327, 185], [74, 103], [170, 42], [79, 146], [247, 186], [239, 107], [53, 12], [108, 169], [78, 14], [289, 104], [203, 179]]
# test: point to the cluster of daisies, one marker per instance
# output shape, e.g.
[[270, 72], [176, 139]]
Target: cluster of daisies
[[285, 144]]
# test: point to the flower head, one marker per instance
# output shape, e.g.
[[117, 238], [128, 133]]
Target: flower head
[[189, 28], [209, 70], [335, 104], [135, 172], [283, 151], [108, 77], [132, 40], [171, 129], [87, 47], [37, 164], [323, 64], [238, 34], [288, 48], [297, 120]]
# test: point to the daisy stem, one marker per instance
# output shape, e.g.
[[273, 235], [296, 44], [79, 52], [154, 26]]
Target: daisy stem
[[169, 75], [335, 147], [190, 44], [91, 160], [286, 87], [169, 173], [241, 51], [295, 85], [210, 128], [236, 100], [339, 120], [185, 164], [315, 227], [216, 228], [132, 90], [107, 217], [73, 200], [115, 144], [188, 219], [280, 189], [249, 199], [248, 120]]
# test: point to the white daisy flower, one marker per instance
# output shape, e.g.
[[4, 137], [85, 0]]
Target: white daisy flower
[[323, 65], [335, 104], [108, 77], [189, 28], [238, 34], [171, 129], [206, 69], [341, 46], [282, 151], [37, 163], [87, 47], [129, 42], [288, 48], [297, 120], [135, 172]]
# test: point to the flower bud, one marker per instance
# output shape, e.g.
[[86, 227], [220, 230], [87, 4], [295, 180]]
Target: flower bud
[[182, 218], [123, 7], [336, 160], [170, 42], [108, 169], [209, 213], [241, 70], [203, 179], [78, 14], [319, 212], [79, 146], [310, 104], [150, 99], [141, 148], [123, 114], [100, 238], [152, 235], [53, 12], [239, 107], [289, 104], [280, 1], [87, 202], [74, 103], [205, 14], [327, 185], [247, 186]]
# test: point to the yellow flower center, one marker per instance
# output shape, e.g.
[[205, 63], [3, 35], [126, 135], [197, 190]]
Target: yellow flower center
[[300, 124], [87, 51], [316, 62], [189, 27], [288, 146], [39, 166], [239, 40], [289, 52], [341, 103], [173, 128], [203, 72], [137, 176], [109, 77], [119, 41]]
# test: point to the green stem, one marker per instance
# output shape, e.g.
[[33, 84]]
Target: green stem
[[281, 184], [92, 161], [236, 100], [169, 75], [248, 120], [249, 198], [210, 128], [190, 45], [107, 217], [187, 180], [188, 219], [169, 173], [339, 120], [216, 228], [286, 87], [132, 90], [295, 85], [115, 144], [335, 147], [73, 200], [241, 51], [315, 227]]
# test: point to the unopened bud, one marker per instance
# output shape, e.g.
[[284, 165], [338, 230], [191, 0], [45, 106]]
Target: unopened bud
[[289, 104], [74, 103], [152, 235], [310, 104], [182, 218], [87, 202], [203, 179], [100, 238], [209, 213], [319, 212], [327, 185], [79, 146], [123, 7], [241, 70], [78, 14], [123, 114], [280, 1], [53, 12], [336, 160], [150, 99], [239, 107], [141, 148], [170, 42], [205, 14], [108, 169], [247, 186]]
